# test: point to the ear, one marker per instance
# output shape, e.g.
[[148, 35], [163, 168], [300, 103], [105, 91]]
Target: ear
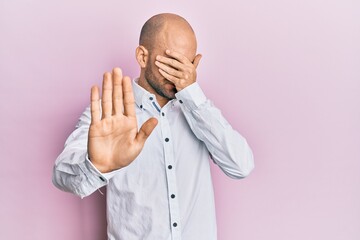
[[142, 56], [197, 60]]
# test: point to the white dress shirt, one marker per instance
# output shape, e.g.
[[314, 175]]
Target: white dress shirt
[[166, 193]]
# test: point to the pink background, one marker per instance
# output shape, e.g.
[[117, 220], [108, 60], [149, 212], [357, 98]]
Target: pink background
[[286, 74]]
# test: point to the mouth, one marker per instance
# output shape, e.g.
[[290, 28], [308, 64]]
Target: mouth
[[167, 82], [170, 85]]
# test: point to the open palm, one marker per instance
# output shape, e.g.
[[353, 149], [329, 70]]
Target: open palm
[[114, 140]]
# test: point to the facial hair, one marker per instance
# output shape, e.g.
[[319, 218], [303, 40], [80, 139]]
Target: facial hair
[[154, 82]]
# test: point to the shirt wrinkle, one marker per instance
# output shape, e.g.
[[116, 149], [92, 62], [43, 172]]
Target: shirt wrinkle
[[166, 193]]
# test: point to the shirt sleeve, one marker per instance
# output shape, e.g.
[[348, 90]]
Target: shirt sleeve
[[228, 149], [73, 171]]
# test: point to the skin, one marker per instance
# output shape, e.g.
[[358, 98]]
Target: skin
[[168, 63]]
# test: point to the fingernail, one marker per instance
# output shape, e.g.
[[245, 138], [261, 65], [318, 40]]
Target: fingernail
[[157, 57], [167, 51]]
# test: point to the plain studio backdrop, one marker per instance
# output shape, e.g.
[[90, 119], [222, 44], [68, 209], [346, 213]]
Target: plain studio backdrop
[[286, 75]]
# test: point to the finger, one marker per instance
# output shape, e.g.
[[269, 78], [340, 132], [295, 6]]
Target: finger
[[117, 94], [197, 60], [169, 77], [181, 58], [106, 101], [95, 105], [128, 95], [146, 130], [171, 62], [169, 70]]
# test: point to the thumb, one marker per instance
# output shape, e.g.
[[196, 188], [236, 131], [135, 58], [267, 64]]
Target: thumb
[[197, 60], [146, 130]]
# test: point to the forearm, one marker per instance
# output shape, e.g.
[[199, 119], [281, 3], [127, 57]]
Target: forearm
[[229, 150], [73, 172]]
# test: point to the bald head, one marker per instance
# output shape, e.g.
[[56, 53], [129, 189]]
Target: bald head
[[161, 26]]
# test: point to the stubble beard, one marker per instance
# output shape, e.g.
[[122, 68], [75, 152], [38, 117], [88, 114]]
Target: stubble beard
[[155, 84]]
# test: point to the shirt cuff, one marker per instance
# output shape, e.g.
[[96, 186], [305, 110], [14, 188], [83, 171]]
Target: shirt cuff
[[105, 177], [191, 97]]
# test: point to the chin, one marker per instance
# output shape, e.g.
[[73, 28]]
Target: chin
[[170, 95]]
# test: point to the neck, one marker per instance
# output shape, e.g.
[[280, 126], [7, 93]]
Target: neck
[[162, 101]]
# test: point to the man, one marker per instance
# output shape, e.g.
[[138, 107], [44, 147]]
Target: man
[[161, 188]]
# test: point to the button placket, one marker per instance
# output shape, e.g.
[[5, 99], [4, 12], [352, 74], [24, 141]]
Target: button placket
[[171, 178], [149, 103]]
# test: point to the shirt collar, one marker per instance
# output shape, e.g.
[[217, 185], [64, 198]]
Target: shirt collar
[[140, 94]]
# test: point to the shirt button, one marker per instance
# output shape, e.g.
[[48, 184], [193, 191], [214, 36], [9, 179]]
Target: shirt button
[[167, 139], [172, 195], [151, 98], [169, 167], [140, 106], [174, 224], [101, 178], [163, 114], [180, 101]]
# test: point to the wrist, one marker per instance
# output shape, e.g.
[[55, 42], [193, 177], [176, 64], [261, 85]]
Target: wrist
[[102, 167]]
